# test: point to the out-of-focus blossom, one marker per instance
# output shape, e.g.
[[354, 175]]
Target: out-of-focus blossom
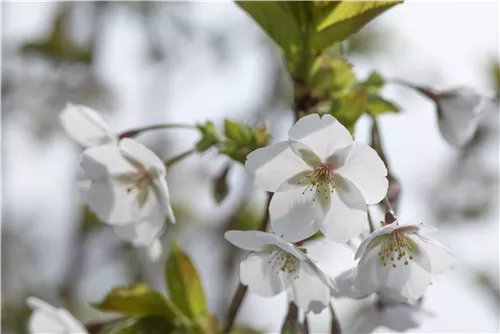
[[47, 319], [127, 186], [459, 112], [275, 265], [322, 180], [86, 126], [397, 262], [388, 313]]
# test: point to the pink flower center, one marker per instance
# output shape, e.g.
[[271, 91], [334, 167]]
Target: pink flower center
[[323, 172]]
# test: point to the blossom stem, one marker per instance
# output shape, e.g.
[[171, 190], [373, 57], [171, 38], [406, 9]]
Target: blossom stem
[[423, 90], [394, 190], [178, 158], [390, 216], [335, 324], [370, 222], [135, 132], [241, 291]]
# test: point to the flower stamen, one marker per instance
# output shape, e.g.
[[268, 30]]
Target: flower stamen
[[395, 247], [320, 178]]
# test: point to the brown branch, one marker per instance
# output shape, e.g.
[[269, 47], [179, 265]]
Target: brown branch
[[241, 291]]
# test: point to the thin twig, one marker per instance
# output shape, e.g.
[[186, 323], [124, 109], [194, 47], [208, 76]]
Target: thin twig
[[241, 291], [177, 158], [135, 132]]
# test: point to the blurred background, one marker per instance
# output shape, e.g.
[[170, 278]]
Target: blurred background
[[148, 63]]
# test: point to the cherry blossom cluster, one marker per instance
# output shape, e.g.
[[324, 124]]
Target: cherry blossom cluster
[[323, 181]]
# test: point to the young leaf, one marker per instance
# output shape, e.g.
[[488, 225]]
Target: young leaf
[[349, 108], [184, 284], [139, 301], [346, 19], [275, 20], [209, 136], [377, 105], [373, 83]]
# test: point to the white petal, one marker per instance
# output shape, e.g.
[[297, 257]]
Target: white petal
[[323, 135], [366, 170], [83, 187], [368, 246], [322, 275], [401, 317], [345, 286], [104, 161], [363, 246], [258, 274], [155, 250], [305, 153], [250, 240], [348, 213], [295, 215], [271, 165], [308, 291], [339, 157], [141, 154], [48, 319], [85, 126], [407, 281], [141, 234], [436, 259], [113, 203], [258, 240], [365, 277], [459, 112], [161, 190]]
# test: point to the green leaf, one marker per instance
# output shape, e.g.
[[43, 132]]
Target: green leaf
[[346, 19], [275, 19], [377, 105], [331, 76], [373, 83], [184, 284], [349, 108], [237, 131], [209, 136], [150, 325], [321, 10], [139, 301]]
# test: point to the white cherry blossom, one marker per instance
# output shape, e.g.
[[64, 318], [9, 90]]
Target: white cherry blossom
[[128, 190], [321, 180], [86, 126], [459, 112], [275, 265], [385, 312], [47, 319], [398, 262]]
